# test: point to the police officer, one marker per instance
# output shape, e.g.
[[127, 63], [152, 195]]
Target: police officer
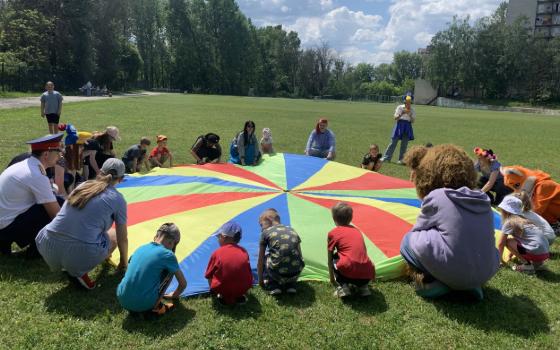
[[27, 201]]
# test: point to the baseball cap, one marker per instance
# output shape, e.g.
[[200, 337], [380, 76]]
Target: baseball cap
[[161, 138], [114, 167], [229, 229], [512, 205], [113, 131]]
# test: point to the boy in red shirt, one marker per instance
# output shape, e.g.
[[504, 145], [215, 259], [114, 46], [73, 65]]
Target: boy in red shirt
[[229, 272], [349, 265], [160, 154]]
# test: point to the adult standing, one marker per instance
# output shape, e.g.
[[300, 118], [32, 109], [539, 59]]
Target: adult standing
[[27, 201], [405, 116], [321, 142], [244, 148], [51, 106], [80, 236], [207, 149]]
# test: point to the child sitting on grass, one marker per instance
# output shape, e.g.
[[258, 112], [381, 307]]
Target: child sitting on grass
[[229, 272], [280, 259], [160, 154], [150, 270], [266, 142], [524, 239], [372, 159], [452, 245], [349, 265]]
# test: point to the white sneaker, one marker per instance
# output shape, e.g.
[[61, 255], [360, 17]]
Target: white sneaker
[[364, 291], [291, 290], [400, 162], [342, 291], [276, 291]]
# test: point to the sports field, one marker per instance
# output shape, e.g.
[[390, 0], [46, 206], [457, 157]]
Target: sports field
[[40, 310]]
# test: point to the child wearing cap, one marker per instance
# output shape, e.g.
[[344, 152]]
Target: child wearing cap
[[266, 141], [372, 159], [229, 271], [135, 156], [524, 239], [349, 265], [160, 154], [150, 271]]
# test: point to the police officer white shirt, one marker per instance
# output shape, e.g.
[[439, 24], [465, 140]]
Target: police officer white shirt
[[23, 185]]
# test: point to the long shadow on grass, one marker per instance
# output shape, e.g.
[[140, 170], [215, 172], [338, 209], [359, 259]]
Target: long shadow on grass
[[251, 309], [304, 298], [548, 276], [18, 268], [371, 305], [78, 302], [162, 327], [517, 314]]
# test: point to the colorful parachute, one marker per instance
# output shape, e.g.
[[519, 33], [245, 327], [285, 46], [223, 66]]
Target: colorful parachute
[[200, 198]]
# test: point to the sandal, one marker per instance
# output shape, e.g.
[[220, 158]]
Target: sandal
[[524, 268], [163, 308]]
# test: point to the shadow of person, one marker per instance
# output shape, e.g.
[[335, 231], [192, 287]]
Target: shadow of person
[[160, 327], [78, 302], [251, 309], [371, 305], [18, 268], [516, 314], [304, 298], [549, 276]]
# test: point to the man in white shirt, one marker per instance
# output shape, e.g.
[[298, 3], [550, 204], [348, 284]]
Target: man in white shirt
[[27, 201]]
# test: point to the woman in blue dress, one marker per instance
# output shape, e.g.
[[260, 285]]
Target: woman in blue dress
[[405, 116]]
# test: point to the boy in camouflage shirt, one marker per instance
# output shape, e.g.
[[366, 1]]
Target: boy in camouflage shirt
[[280, 259]]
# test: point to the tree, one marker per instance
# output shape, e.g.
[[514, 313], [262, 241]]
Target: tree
[[406, 65]]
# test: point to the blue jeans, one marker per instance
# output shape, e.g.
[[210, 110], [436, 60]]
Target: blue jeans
[[391, 148]]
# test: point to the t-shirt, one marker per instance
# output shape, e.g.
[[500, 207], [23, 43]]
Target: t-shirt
[[229, 272], [157, 153], [150, 263], [404, 115], [494, 166], [134, 152], [532, 239], [52, 101], [90, 224], [539, 221], [323, 141], [23, 185], [353, 261], [283, 250], [369, 159]]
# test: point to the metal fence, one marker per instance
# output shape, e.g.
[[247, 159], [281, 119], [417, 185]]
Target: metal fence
[[22, 78]]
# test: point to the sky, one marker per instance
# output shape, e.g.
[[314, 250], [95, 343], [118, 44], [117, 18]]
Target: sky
[[364, 30]]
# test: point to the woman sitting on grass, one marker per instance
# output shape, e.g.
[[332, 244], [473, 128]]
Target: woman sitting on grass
[[80, 236], [244, 148], [492, 181], [451, 246]]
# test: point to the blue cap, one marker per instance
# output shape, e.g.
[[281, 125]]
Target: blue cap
[[46, 142], [229, 229]]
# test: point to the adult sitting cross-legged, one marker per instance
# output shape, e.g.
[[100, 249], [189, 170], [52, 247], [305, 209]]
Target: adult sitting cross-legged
[[27, 201]]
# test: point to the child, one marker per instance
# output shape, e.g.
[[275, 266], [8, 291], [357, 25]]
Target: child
[[160, 154], [150, 270], [135, 156], [266, 141], [452, 244], [349, 264], [372, 159], [280, 268], [523, 238], [229, 272], [535, 218]]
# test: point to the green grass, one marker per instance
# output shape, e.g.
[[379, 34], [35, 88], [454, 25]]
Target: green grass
[[40, 310], [15, 94]]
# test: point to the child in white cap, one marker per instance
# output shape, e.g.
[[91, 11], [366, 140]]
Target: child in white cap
[[524, 239]]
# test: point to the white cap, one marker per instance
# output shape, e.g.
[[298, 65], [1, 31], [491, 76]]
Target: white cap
[[512, 205]]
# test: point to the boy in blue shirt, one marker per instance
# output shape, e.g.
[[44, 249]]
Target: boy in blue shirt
[[150, 270]]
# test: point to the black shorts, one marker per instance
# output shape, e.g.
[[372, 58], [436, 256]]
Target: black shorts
[[53, 118]]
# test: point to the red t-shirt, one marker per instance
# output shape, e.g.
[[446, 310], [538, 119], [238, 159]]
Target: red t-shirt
[[157, 153], [351, 249], [229, 272]]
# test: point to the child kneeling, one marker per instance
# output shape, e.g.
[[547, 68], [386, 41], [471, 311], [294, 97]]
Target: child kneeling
[[229, 272], [150, 271], [349, 265]]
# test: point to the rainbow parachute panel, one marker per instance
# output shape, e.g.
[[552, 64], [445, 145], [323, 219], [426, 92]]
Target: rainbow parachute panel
[[200, 198]]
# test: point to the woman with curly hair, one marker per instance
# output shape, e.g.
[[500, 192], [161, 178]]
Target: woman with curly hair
[[452, 245], [491, 180]]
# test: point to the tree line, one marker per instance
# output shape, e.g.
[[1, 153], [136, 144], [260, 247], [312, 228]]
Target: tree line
[[210, 46]]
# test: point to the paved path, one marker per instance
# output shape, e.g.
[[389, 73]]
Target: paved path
[[23, 102]]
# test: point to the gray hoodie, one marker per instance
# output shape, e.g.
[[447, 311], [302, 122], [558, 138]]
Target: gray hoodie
[[453, 237]]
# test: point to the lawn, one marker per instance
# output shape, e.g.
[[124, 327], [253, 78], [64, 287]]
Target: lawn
[[40, 310]]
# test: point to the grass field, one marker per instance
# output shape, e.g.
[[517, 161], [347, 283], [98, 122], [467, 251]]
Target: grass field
[[40, 310]]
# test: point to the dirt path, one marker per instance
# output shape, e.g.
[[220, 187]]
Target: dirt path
[[22, 102]]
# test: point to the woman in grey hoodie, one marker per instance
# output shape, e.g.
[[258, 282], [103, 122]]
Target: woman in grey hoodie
[[452, 244]]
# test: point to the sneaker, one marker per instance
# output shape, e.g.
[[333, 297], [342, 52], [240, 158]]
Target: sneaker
[[242, 300], [432, 290], [400, 162], [364, 291], [477, 293], [163, 308], [276, 291], [342, 291], [85, 282], [291, 290], [524, 268]]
